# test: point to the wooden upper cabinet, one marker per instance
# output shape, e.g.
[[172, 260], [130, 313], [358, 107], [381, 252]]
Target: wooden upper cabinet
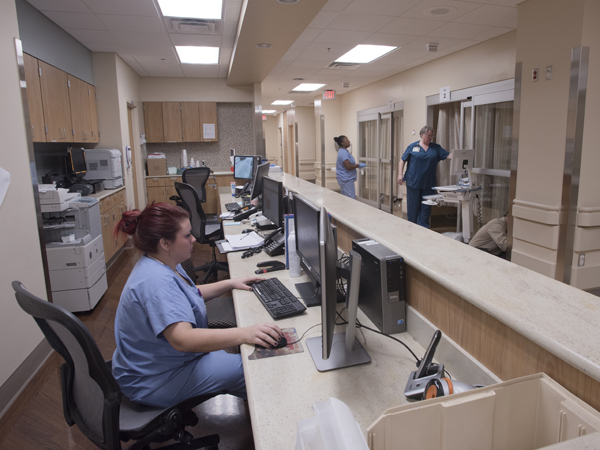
[[55, 103], [208, 116], [172, 121], [34, 98], [81, 112], [153, 122], [93, 115], [190, 122]]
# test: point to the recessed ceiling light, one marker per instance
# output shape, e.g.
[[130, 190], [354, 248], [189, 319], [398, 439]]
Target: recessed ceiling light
[[362, 54], [196, 9], [298, 79], [288, 2], [264, 45], [440, 10], [269, 111], [282, 102], [308, 87], [198, 55]]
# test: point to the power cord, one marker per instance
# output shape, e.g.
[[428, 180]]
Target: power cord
[[479, 219], [304, 334]]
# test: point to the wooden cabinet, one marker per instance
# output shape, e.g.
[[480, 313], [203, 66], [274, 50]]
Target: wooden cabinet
[[34, 98], [95, 137], [208, 116], [111, 211], [153, 122], [172, 121], [81, 114], [190, 122], [179, 121], [161, 189], [55, 103]]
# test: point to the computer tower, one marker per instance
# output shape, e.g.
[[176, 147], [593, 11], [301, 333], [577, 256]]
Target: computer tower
[[382, 293]]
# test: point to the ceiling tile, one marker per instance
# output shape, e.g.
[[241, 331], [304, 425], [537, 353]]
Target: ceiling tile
[[75, 21], [223, 71], [289, 56], [125, 8], [421, 43], [325, 58], [227, 41], [299, 72], [458, 9], [298, 46], [131, 62], [506, 2], [225, 56], [359, 22], [160, 70], [491, 33], [392, 8], [230, 28], [309, 34], [97, 36], [490, 15], [137, 24], [233, 10], [150, 50], [326, 76], [342, 36], [308, 64], [417, 27], [323, 19], [334, 49], [198, 70], [60, 5], [104, 47], [397, 40], [336, 5], [131, 38], [458, 30], [201, 40]]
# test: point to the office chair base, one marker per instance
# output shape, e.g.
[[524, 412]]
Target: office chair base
[[210, 442], [212, 268]]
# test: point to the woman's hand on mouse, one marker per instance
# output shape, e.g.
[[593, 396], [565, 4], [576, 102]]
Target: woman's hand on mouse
[[265, 334], [243, 283]]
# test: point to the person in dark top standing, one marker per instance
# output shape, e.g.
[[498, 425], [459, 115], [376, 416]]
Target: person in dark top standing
[[421, 158], [345, 167]]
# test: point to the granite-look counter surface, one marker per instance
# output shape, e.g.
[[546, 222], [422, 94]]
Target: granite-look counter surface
[[557, 317], [105, 193]]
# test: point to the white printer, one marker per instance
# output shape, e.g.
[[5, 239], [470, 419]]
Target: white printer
[[104, 164]]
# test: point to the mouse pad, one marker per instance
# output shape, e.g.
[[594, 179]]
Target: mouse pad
[[291, 336]]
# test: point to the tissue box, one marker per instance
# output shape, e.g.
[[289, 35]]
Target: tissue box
[[157, 167]]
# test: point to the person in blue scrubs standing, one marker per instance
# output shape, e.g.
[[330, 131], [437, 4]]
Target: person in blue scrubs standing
[[422, 158], [165, 352], [345, 167]]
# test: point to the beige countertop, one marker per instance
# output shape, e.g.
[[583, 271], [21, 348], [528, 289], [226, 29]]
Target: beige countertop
[[105, 193], [217, 171]]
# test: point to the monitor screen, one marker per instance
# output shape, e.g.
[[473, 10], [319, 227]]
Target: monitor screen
[[257, 186], [306, 228], [76, 161], [243, 167], [461, 159], [272, 201]]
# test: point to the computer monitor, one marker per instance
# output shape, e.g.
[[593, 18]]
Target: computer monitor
[[272, 201], [243, 167], [257, 187], [76, 166], [330, 350], [306, 228], [461, 160]]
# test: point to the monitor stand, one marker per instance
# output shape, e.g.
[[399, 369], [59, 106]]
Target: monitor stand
[[339, 357], [307, 294]]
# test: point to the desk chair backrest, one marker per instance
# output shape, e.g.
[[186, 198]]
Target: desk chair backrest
[[197, 178], [193, 204], [91, 395]]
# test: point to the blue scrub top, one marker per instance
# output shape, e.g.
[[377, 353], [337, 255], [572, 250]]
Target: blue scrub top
[[153, 298], [342, 173], [422, 165]]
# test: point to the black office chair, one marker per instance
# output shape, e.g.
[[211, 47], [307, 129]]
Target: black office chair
[[92, 398], [205, 232], [197, 178]]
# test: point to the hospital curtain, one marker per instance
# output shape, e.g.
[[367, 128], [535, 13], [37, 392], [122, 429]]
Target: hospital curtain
[[447, 130]]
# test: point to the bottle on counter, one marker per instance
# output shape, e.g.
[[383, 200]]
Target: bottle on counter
[[293, 257]]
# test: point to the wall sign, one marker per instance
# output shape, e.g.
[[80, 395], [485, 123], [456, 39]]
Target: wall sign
[[329, 94]]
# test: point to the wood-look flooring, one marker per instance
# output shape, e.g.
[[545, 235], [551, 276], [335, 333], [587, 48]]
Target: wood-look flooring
[[35, 420]]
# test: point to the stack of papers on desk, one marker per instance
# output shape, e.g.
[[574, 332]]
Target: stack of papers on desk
[[242, 241]]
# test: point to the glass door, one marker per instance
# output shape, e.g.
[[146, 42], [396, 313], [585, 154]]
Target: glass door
[[367, 153]]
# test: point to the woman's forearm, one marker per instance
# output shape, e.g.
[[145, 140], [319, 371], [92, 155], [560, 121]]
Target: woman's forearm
[[214, 290]]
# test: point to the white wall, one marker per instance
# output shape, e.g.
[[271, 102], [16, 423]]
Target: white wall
[[272, 150], [157, 89], [19, 241], [305, 118]]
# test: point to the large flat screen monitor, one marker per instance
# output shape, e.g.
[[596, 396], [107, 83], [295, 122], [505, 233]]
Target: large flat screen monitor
[[76, 165], [243, 167], [461, 161], [336, 350], [272, 201], [257, 186], [306, 228]]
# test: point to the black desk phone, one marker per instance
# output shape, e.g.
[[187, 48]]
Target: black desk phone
[[275, 242]]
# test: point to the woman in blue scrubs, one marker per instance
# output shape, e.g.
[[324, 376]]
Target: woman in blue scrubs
[[345, 167], [422, 158], [165, 352]]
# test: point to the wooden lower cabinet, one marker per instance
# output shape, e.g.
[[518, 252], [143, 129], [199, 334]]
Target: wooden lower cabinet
[[111, 212], [161, 189]]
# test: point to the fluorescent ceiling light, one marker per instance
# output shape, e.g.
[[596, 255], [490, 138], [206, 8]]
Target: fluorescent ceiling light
[[195, 9], [282, 102], [308, 87], [363, 54], [198, 55], [269, 111]]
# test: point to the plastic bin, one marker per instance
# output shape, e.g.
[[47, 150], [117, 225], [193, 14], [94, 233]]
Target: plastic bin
[[332, 428], [522, 414]]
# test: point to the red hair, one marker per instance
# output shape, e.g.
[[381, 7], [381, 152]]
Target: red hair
[[157, 221]]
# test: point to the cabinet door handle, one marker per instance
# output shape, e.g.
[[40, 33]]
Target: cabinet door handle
[[32, 132]]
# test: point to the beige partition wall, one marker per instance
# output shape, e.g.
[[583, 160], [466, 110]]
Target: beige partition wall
[[544, 172]]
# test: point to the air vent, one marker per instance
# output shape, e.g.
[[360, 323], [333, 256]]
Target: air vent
[[194, 26], [343, 66], [432, 47]]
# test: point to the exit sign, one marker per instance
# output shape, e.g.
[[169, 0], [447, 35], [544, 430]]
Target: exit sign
[[329, 94]]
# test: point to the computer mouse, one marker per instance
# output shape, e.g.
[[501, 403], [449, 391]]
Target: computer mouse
[[248, 230], [280, 344]]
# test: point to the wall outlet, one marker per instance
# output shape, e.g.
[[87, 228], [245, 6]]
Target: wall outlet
[[581, 260]]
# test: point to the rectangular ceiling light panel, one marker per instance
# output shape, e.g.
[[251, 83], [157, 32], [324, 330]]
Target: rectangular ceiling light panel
[[196, 9], [282, 102], [308, 87], [198, 55], [363, 54]]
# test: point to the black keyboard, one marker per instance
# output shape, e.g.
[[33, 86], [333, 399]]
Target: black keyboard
[[234, 206], [277, 299]]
